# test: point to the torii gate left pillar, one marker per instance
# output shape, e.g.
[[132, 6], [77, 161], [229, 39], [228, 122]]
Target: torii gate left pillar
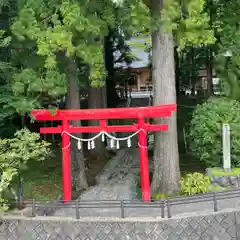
[[65, 116], [66, 162]]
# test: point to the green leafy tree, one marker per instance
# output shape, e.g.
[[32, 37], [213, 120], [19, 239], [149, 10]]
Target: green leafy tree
[[55, 38], [189, 61]]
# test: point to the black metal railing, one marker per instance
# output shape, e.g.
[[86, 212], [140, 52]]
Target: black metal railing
[[165, 205]]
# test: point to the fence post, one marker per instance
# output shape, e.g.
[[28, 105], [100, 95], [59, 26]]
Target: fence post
[[169, 209], [215, 205], [162, 208], [33, 208], [77, 209], [122, 209], [226, 147], [20, 192], [238, 179]]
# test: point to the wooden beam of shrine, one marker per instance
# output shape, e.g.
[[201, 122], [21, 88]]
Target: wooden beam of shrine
[[97, 129], [111, 113]]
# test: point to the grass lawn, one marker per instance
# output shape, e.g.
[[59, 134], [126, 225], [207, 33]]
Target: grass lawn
[[42, 180], [220, 172], [41, 185]]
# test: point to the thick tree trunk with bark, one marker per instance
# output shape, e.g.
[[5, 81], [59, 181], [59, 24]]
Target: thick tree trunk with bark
[[96, 99], [112, 97], [177, 72], [193, 80], [209, 68], [166, 174], [79, 179], [209, 55]]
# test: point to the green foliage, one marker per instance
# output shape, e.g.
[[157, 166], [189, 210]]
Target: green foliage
[[25, 84], [226, 22], [195, 183], [191, 184], [190, 62], [189, 21], [74, 28], [228, 70], [42, 184], [15, 153], [44, 36], [206, 131], [4, 41]]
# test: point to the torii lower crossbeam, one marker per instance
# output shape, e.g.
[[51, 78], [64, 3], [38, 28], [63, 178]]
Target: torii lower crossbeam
[[103, 115]]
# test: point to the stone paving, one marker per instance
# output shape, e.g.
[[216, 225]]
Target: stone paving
[[117, 180]]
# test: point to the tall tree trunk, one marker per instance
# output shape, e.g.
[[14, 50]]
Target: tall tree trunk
[[209, 68], [112, 97], [166, 174], [193, 80], [73, 102], [177, 72], [104, 96], [209, 62], [96, 99]]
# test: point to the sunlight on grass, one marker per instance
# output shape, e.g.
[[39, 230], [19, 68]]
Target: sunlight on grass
[[220, 172], [42, 186], [42, 181]]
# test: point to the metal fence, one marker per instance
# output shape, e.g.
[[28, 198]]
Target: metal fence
[[165, 206]]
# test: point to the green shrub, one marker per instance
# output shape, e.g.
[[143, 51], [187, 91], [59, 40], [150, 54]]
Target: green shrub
[[15, 154], [191, 184], [195, 183], [205, 135]]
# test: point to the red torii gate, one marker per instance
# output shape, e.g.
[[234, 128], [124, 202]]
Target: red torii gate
[[139, 113]]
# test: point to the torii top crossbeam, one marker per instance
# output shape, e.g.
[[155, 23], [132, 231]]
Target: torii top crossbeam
[[109, 113]]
